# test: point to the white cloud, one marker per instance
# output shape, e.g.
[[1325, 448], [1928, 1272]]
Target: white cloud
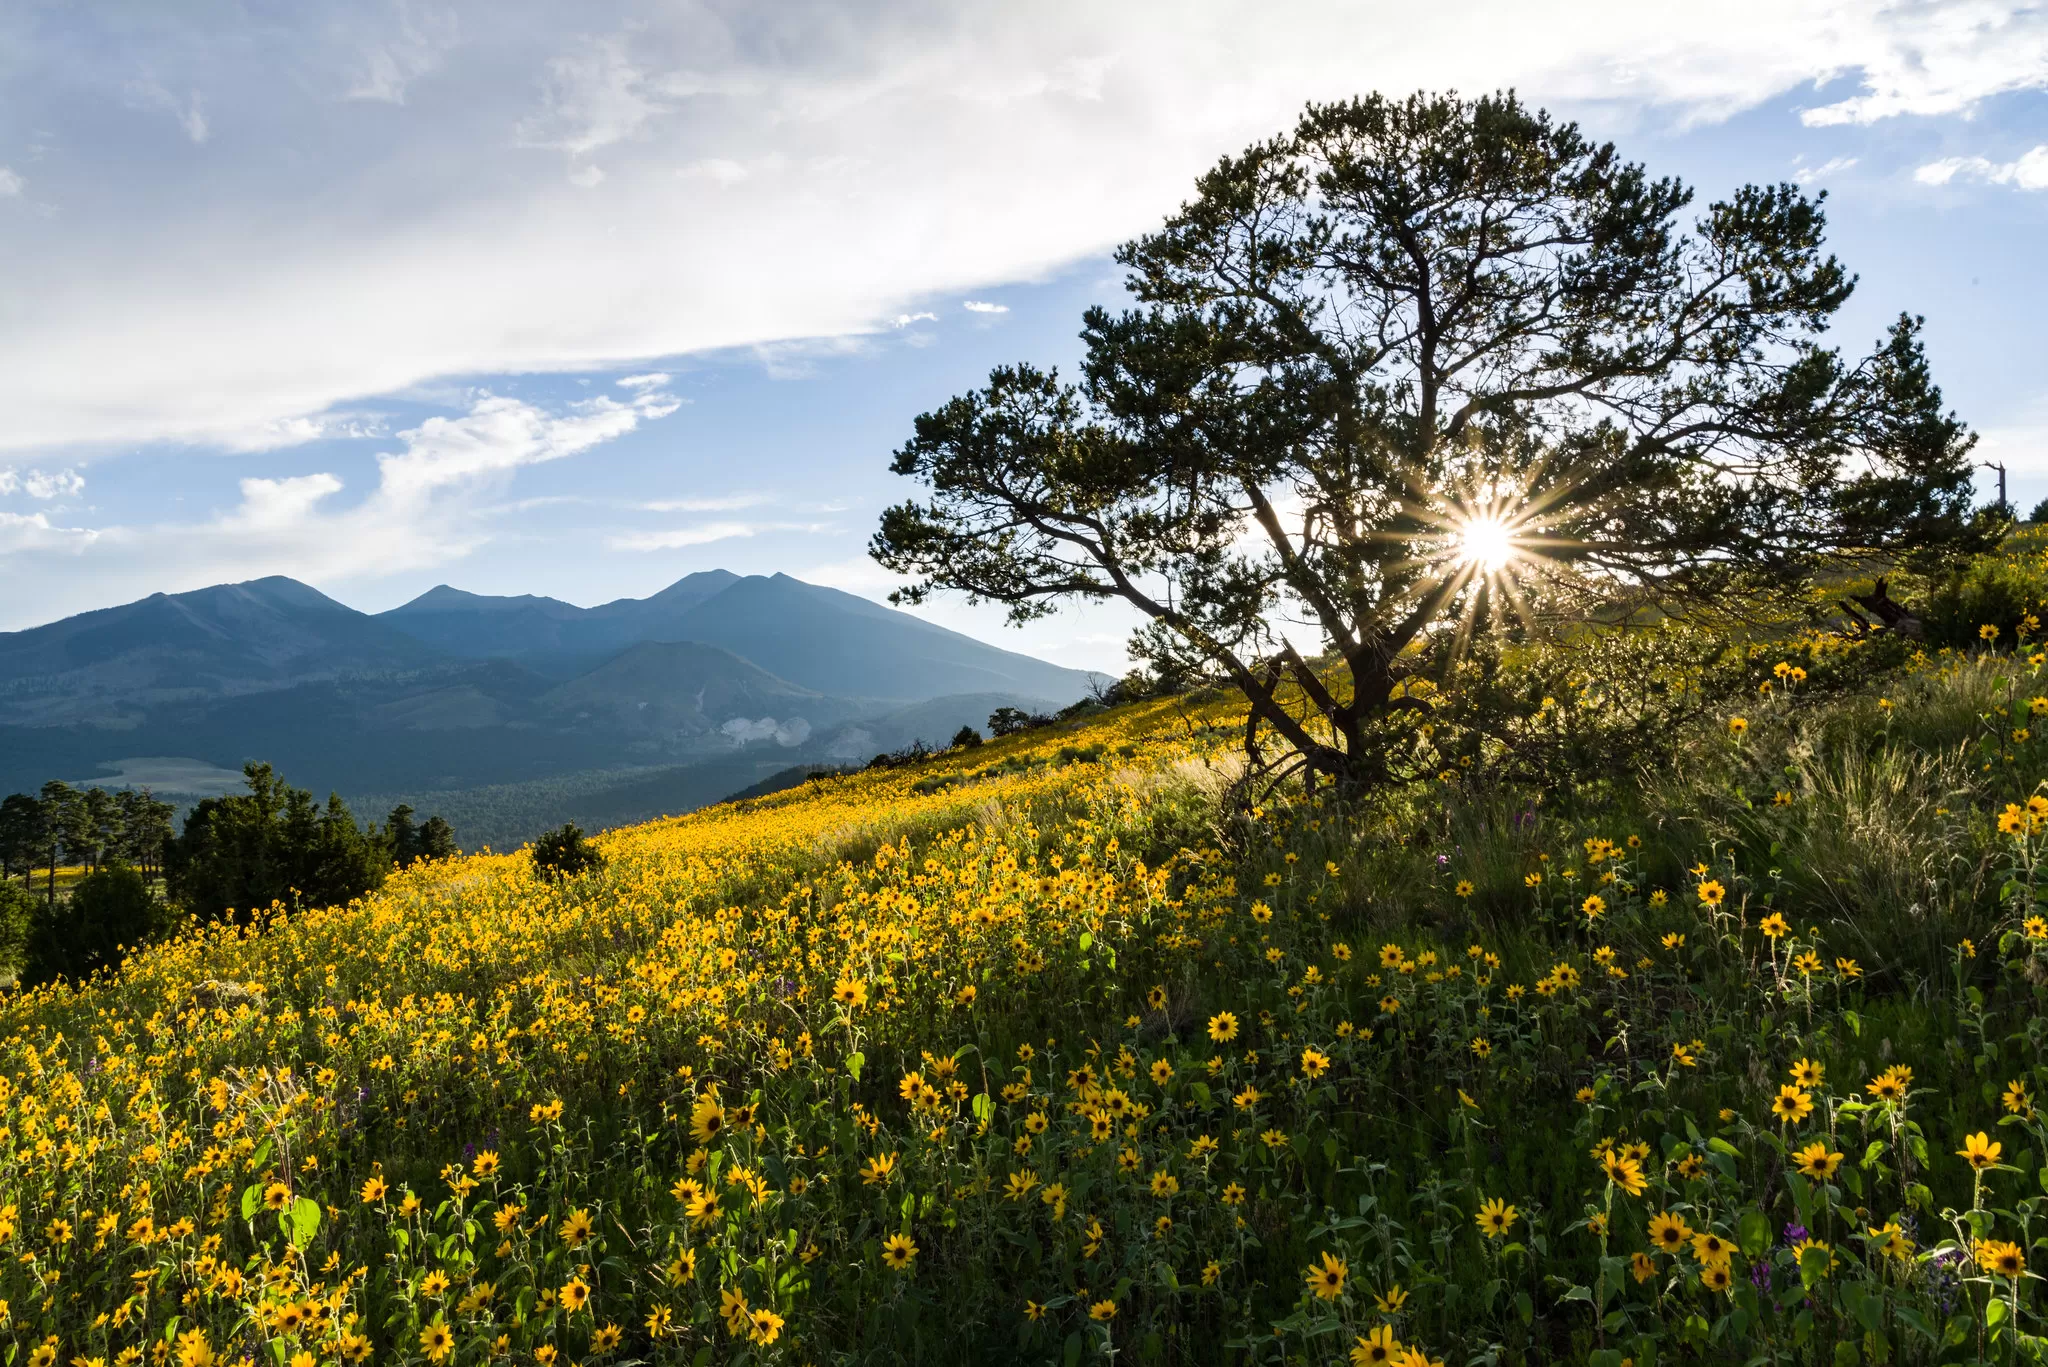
[[727, 504], [147, 94], [2029, 172], [653, 379], [676, 538], [426, 510], [499, 435], [1807, 175], [1933, 58], [983, 306], [904, 320], [922, 150], [390, 64], [595, 97], [278, 433], [278, 505], [58, 484], [720, 171], [11, 183], [33, 532], [40, 483]]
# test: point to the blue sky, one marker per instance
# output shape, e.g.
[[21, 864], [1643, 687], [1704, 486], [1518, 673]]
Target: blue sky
[[579, 299]]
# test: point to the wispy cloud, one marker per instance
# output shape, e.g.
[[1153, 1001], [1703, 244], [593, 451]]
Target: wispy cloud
[[904, 320], [1807, 175], [2028, 172], [723, 504], [279, 433], [703, 534], [147, 94], [501, 434], [11, 183], [983, 306], [415, 46]]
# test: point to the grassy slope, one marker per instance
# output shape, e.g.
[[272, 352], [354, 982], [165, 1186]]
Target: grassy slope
[[976, 1005]]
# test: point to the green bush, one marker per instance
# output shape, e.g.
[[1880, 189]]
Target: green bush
[[18, 908], [2000, 590], [108, 912], [565, 853]]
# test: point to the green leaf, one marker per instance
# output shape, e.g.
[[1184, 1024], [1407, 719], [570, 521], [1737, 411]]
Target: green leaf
[[252, 1197], [1867, 1306], [1753, 1233], [305, 1221], [1913, 1320], [1087, 941], [984, 1108], [854, 1063]]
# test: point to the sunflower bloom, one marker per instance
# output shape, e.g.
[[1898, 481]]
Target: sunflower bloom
[[1377, 1348], [899, 1252], [1624, 1171], [1979, 1151], [2000, 1258], [1669, 1232], [1327, 1280]]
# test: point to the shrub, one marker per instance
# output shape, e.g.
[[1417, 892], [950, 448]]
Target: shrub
[[1999, 591], [108, 912], [565, 853], [18, 908]]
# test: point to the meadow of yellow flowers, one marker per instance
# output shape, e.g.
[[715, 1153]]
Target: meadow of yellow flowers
[[1048, 1052]]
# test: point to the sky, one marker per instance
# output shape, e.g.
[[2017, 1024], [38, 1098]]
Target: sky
[[579, 299]]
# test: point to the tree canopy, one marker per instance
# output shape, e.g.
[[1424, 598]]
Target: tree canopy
[[1424, 365], [274, 843]]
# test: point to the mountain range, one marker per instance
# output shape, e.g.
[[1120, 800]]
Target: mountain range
[[719, 679]]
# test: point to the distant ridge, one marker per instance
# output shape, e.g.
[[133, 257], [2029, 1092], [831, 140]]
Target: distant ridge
[[526, 695], [224, 640], [820, 638]]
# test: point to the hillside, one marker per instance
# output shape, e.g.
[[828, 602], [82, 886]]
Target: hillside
[[1040, 1051]]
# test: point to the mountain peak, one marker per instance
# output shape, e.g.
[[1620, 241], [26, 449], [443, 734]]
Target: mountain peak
[[697, 586], [445, 598]]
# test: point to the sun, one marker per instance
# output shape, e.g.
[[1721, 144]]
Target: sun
[[1486, 543]]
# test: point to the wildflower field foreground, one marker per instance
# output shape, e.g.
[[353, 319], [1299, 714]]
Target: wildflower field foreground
[[1044, 1051]]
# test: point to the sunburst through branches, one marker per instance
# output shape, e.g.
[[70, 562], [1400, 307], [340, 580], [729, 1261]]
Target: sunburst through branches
[[1486, 543]]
